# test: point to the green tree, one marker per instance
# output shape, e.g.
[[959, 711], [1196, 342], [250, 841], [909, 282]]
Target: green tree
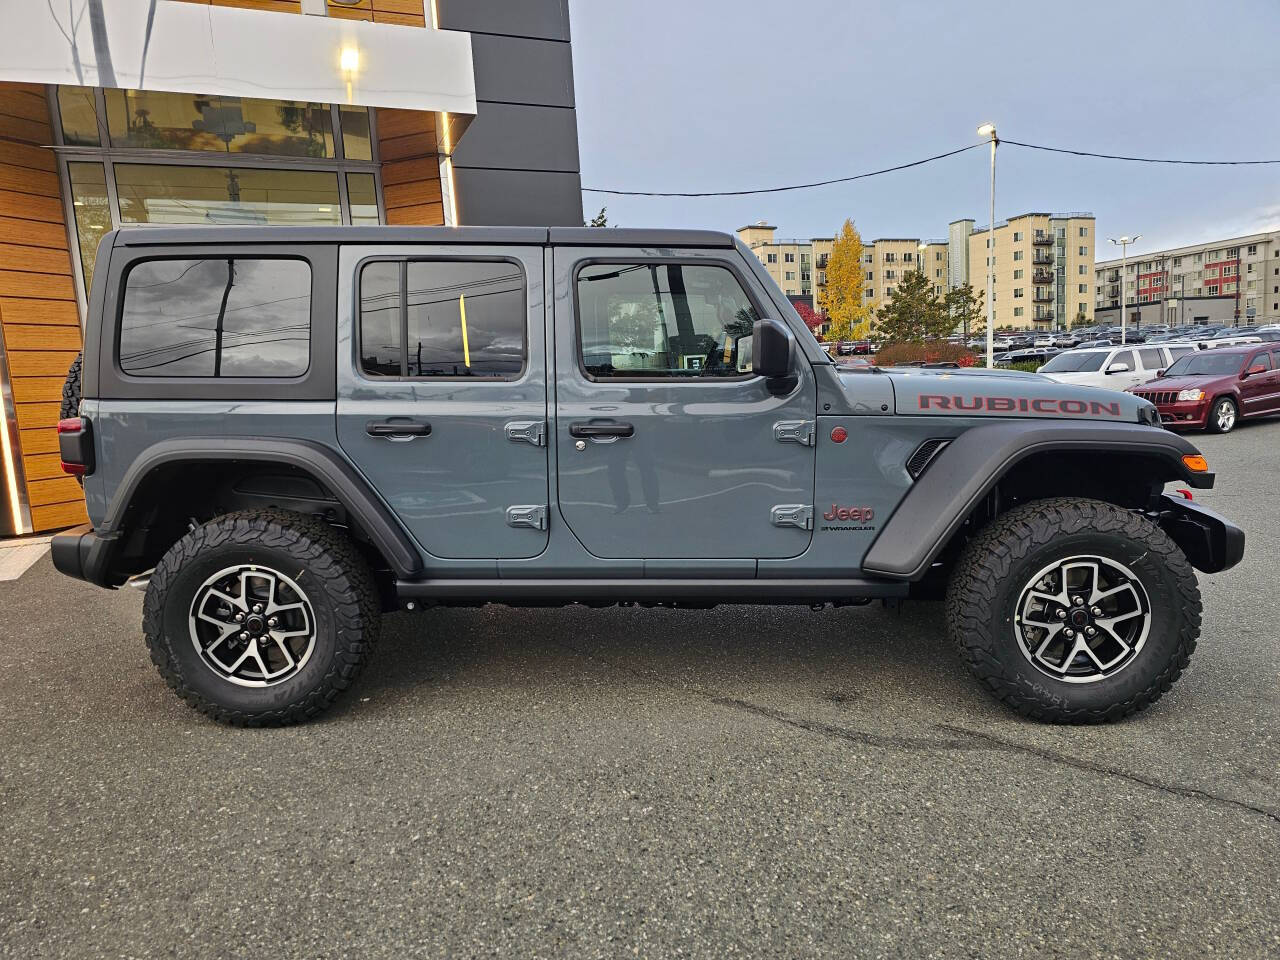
[[915, 313], [601, 219], [841, 298], [966, 309]]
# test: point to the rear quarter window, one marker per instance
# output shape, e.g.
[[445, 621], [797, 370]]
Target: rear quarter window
[[216, 318]]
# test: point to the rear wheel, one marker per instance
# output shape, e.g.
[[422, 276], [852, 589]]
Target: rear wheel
[[1223, 415], [1074, 611], [261, 618]]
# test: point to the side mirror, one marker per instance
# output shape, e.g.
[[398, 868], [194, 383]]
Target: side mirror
[[771, 346], [1160, 373], [1255, 369], [1118, 368]]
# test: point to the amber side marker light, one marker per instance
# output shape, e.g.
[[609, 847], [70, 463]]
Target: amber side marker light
[[1196, 463]]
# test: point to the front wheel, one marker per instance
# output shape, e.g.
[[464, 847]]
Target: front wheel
[[1222, 416], [1074, 610], [261, 618]]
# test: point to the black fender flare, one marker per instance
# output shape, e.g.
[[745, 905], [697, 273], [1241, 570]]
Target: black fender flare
[[323, 463], [963, 473]]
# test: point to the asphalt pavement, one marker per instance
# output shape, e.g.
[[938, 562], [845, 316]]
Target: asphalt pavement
[[744, 781]]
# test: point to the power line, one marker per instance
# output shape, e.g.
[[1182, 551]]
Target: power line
[[797, 186], [917, 163], [1114, 156]]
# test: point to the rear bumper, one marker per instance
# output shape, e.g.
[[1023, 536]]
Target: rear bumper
[[82, 554], [1211, 542]]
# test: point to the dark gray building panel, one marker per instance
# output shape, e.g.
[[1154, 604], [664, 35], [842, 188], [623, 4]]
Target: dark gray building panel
[[518, 197], [540, 19], [516, 70], [512, 137], [518, 162]]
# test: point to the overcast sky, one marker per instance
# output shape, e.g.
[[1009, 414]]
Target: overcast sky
[[731, 94]]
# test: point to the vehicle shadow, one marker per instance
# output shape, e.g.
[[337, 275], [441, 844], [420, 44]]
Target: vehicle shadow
[[842, 656]]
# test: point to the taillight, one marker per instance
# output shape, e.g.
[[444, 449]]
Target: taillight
[[75, 446]]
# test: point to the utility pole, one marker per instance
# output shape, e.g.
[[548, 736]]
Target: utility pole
[[989, 130], [1123, 244]]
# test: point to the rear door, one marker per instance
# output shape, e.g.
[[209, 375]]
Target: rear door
[[668, 447], [442, 392]]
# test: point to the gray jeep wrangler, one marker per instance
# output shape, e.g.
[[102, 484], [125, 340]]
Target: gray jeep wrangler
[[286, 432]]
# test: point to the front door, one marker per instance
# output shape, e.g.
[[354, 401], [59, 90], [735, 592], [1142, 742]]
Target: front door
[[442, 392], [667, 446], [1257, 391]]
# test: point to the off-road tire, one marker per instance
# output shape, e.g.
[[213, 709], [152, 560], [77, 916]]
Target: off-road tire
[[1215, 414], [997, 565], [71, 390], [340, 589]]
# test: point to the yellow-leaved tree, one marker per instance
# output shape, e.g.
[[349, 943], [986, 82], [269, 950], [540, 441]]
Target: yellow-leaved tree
[[841, 299]]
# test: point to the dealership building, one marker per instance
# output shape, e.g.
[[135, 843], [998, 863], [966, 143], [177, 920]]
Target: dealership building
[[136, 112]]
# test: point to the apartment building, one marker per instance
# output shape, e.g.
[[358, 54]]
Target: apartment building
[[1223, 281], [1044, 265], [799, 267], [789, 262]]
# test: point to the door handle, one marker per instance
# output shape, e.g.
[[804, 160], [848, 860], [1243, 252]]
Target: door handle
[[397, 428], [588, 429]]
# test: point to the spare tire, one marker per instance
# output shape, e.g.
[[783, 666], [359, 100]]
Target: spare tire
[[71, 390]]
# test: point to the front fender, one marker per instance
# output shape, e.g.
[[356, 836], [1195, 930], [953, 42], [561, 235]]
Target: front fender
[[971, 465]]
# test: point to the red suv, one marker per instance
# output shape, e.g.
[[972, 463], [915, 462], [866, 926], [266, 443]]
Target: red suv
[[1212, 389]]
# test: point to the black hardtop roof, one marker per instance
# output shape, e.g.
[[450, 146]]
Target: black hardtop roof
[[558, 236]]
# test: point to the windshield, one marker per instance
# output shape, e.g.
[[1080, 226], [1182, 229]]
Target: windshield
[[1204, 365], [1070, 362]]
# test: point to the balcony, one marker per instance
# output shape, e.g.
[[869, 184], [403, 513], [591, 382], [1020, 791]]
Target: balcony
[[1043, 316], [1042, 239], [821, 263], [1042, 296], [1043, 258], [1042, 276]]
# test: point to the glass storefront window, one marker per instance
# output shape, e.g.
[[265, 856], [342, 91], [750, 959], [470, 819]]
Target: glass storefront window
[[141, 119], [79, 116], [92, 210], [362, 196], [356, 141], [160, 193]]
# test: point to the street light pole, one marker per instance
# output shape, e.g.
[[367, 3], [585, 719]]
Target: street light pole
[[1123, 244], [989, 130]]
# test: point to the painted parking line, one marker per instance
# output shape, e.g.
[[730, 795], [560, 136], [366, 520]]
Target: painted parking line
[[17, 556]]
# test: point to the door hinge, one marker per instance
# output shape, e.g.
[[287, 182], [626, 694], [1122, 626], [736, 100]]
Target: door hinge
[[532, 515], [527, 431], [792, 515], [794, 431]]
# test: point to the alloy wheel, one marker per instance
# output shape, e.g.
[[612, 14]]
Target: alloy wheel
[[252, 626], [1082, 619], [1225, 415]]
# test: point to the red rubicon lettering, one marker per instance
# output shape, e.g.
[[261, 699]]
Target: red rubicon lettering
[[1050, 405]]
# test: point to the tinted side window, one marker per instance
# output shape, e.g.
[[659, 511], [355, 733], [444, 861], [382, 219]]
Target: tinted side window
[[442, 318], [233, 317], [660, 320], [1260, 359], [1152, 359], [1122, 356]]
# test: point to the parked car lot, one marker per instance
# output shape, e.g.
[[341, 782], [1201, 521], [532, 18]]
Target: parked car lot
[[646, 782]]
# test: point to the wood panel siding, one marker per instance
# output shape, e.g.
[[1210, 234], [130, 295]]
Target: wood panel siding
[[38, 315], [410, 166]]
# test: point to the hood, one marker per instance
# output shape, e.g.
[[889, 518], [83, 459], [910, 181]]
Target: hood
[[1004, 393], [1184, 383]]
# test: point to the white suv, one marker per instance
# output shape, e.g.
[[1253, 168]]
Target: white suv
[[1114, 368]]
